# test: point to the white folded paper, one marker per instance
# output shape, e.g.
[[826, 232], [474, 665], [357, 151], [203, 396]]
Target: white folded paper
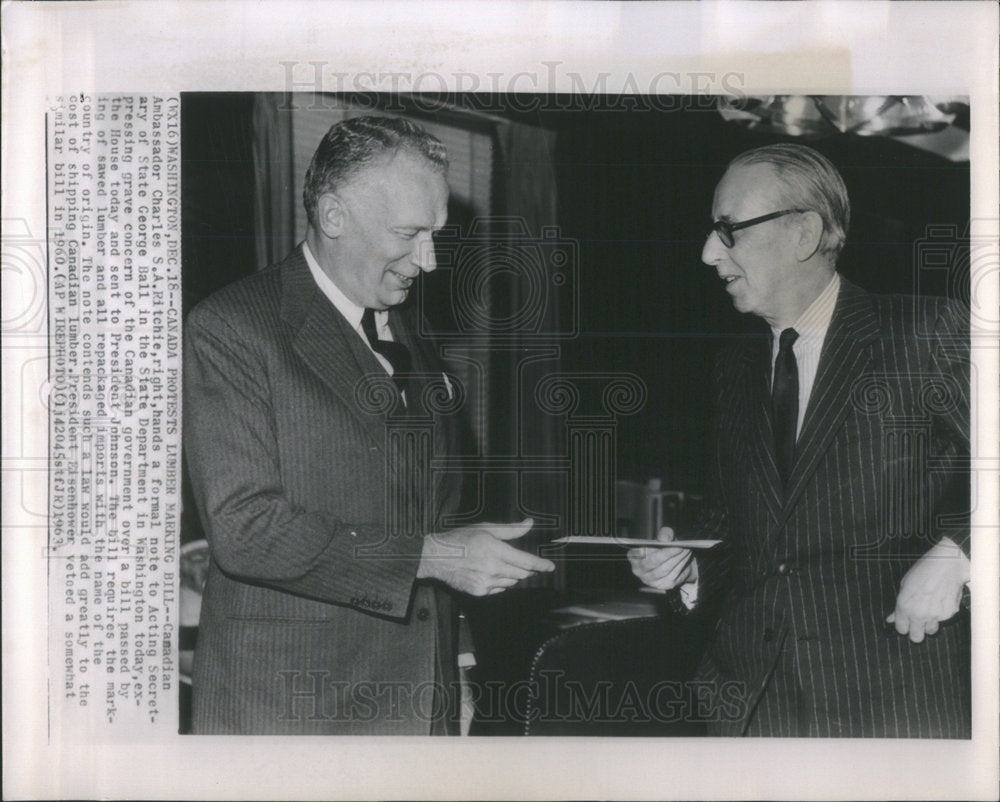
[[636, 542]]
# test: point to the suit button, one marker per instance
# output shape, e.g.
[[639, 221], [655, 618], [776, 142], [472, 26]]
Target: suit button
[[423, 614], [786, 569], [768, 634]]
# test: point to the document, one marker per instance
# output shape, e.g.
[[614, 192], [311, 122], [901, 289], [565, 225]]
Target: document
[[633, 542]]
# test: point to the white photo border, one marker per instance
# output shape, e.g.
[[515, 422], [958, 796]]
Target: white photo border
[[826, 47]]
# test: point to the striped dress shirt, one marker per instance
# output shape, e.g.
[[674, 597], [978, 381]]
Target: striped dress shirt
[[811, 326]]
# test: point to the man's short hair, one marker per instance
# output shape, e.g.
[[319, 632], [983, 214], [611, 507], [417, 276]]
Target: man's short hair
[[810, 182], [351, 145]]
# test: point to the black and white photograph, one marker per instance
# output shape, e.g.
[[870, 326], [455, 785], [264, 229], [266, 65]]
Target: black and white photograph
[[625, 416], [617, 374]]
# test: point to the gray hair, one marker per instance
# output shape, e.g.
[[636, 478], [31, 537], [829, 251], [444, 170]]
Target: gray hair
[[351, 145], [810, 181]]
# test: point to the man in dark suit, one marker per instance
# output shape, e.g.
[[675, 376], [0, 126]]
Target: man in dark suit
[[842, 467], [327, 607]]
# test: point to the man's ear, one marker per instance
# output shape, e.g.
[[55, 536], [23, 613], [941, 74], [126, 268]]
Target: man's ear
[[810, 235], [331, 214]]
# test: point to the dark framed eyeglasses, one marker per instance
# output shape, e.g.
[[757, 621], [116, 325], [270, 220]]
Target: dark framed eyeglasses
[[725, 229]]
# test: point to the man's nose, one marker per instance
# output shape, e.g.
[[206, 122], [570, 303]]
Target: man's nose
[[423, 253], [713, 250]]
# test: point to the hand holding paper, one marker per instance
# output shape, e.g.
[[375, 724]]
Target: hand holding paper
[[478, 560], [664, 568]]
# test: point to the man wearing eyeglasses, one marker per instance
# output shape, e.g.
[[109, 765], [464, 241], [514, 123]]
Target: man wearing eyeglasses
[[842, 471]]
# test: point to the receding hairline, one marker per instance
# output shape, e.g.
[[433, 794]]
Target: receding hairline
[[777, 187], [808, 179]]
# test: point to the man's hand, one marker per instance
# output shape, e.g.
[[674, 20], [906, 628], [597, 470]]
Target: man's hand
[[663, 568], [931, 591], [476, 560]]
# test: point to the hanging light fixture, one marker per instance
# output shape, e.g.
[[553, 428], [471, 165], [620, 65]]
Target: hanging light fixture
[[818, 116]]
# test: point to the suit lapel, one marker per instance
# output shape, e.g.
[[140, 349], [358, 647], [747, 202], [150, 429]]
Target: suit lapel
[[326, 343], [844, 359], [428, 367], [763, 463]]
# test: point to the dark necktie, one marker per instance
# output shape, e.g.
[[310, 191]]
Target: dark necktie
[[397, 354], [406, 514], [785, 403]]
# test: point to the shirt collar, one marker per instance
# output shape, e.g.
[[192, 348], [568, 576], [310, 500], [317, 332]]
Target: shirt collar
[[350, 310], [815, 320]]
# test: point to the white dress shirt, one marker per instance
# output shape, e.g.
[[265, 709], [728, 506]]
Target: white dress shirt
[[351, 311], [812, 326]]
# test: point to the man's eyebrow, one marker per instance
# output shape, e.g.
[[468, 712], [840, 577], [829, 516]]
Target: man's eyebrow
[[415, 228]]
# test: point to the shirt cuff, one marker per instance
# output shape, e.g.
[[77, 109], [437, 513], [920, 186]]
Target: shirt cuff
[[689, 594], [967, 566]]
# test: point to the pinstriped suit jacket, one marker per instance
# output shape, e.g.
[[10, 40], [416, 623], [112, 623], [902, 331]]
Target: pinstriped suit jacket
[[880, 474], [312, 621]]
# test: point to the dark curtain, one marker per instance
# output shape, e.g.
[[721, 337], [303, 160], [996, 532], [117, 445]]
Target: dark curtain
[[526, 194], [274, 197]]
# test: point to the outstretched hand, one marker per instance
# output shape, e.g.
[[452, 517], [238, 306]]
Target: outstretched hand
[[477, 560], [930, 592]]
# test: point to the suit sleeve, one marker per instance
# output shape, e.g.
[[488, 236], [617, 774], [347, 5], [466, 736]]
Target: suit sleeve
[[951, 426], [256, 533]]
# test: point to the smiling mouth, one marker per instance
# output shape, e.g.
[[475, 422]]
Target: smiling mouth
[[406, 281], [729, 279]]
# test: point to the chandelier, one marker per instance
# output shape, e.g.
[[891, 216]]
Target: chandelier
[[923, 121]]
